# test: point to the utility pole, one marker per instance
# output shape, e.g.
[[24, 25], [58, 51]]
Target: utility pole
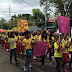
[[46, 15], [9, 12]]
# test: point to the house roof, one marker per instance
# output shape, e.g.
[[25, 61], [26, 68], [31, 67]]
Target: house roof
[[52, 20]]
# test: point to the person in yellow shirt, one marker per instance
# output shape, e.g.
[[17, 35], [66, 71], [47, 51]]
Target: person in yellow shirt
[[48, 43], [58, 52], [21, 37], [43, 38], [27, 42], [17, 43], [36, 37], [0, 37], [6, 42], [12, 42], [65, 52], [51, 46], [70, 51]]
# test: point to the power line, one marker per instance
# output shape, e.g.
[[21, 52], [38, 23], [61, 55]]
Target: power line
[[28, 4]]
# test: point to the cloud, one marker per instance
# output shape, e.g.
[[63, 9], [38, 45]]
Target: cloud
[[1, 15], [18, 7], [30, 2]]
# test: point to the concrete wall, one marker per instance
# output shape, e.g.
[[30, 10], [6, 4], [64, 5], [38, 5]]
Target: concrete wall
[[35, 28]]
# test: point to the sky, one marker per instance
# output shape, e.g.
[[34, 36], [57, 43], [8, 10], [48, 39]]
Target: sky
[[18, 7]]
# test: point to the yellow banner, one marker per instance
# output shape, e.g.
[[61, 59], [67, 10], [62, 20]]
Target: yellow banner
[[15, 29], [22, 25]]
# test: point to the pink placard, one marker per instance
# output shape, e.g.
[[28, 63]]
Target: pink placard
[[39, 49], [64, 24]]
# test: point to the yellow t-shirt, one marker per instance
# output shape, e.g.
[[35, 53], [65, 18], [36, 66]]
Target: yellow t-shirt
[[56, 53], [50, 46], [64, 43], [27, 44], [21, 38], [36, 37], [40, 39], [6, 37], [48, 43], [70, 49], [12, 42], [2, 36], [17, 39]]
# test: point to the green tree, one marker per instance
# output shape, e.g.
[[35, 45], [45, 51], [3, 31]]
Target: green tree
[[62, 6]]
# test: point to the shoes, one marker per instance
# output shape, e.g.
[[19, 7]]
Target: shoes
[[34, 57], [24, 68], [11, 63], [17, 64], [43, 67], [30, 66]]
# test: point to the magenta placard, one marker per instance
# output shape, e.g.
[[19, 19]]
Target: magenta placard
[[39, 49], [64, 24]]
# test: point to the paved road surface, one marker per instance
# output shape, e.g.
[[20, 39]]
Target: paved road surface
[[5, 66]]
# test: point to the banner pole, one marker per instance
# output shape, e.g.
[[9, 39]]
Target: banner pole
[[59, 37]]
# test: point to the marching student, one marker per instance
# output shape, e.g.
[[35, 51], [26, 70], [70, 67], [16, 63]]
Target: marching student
[[43, 38], [70, 51], [58, 52], [36, 37], [65, 52], [51, 46], [17, 43], [6, 42], [12, 42], [48, 43], [2, 39], [27, 42]]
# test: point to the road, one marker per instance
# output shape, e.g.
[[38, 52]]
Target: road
[[5, 66]]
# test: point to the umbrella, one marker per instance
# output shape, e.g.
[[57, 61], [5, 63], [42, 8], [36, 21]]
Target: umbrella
[[1, 30]]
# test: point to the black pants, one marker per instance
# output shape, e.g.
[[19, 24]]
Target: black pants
[[70, 60], [50, 55], [43, 59], [11, 53], [58, 61]]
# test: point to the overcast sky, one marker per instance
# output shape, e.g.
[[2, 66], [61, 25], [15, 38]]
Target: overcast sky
[[17, 7]]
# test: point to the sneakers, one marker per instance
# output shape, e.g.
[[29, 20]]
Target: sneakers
[[30, 66], [24, 68], [17, 64], [11, 63], [43, 67], [34, 57]]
